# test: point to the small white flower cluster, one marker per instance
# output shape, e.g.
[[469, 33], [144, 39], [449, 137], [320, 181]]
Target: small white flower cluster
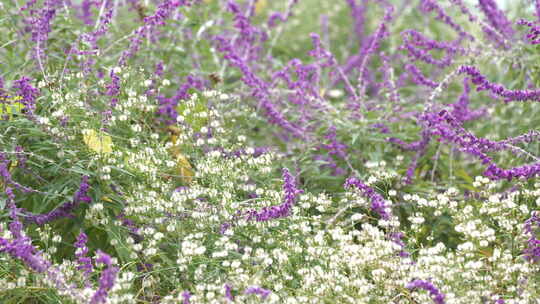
[[329, 249]]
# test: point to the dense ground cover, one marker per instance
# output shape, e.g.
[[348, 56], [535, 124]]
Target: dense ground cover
[[300, 151]]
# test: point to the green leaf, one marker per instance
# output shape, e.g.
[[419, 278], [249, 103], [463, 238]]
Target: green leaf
[[115, 233], [463, 174]]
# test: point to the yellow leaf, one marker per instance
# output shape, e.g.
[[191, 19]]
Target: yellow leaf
[[182, 164], [107, 199], [486, 252], [97, 142], [174, 130], [184, 168], [13, 165], [260, 6], [174, 150], [174, 139], [11, 109]]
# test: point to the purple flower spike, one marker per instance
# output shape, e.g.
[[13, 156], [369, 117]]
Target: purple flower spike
[[419, 78], [228, 292], [375, 40], [377, 201], [85, 263], [264, 293], [27, 92], [432, 5], [167, 106], [283, 17], [450, 130], [417, 46], [65, 210], [21, 248], [532, 252], [396, 237], [437, 296], [537, 8], [496, 18], [106, 280], [335, 147], [282, 210], [533, 33], [497, 89], [164, 11], [186, 295]]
